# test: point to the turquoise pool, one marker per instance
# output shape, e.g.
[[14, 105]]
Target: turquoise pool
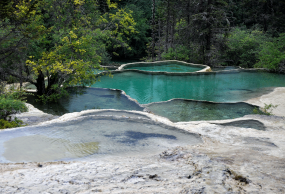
[[217, 87]]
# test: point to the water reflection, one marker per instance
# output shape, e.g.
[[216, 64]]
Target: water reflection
[[86, 98]]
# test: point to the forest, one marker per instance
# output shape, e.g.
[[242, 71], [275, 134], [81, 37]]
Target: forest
[[65, 41]]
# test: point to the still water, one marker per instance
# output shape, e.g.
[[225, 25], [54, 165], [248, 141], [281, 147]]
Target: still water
[[232, 87], [86, 98], [90, 137], [187, 110]]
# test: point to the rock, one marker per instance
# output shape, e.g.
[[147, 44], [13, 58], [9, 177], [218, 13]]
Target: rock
[[234, 157], [34, 116]]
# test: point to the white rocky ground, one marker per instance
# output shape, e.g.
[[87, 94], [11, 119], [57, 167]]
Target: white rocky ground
[[277, 97], [34, 116], [235, 157]]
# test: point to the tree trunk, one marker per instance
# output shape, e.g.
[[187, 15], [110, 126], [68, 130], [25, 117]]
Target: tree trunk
[[208, 35], [153, 30], [40, 83], [188, 12], [167, 27], [172, 30], [21, 75], [159, 40], [51, 81]]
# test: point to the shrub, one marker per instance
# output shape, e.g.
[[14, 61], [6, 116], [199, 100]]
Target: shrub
[[181, 53], [266, 110], [11, 102], [10, 124], [10, 106], [272, 54], [244, 47]]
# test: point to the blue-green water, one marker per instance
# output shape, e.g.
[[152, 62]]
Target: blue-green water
[[87, 98], [165, 67], [233, 87], [187, 110]]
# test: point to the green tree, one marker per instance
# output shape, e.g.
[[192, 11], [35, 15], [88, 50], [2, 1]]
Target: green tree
[[65, 42], [244, 46], [18, 26], [272, 55]]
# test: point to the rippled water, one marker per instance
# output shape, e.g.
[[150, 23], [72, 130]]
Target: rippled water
[[232, 87], [164, 66], [90, 137], [185, 110]]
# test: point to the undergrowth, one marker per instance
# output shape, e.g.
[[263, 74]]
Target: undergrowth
[[4, 124], [266, 110]]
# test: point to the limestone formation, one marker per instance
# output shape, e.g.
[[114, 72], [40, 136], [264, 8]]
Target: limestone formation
[[244, 155]]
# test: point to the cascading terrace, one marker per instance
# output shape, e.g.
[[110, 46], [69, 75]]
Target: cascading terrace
[[120, 122]]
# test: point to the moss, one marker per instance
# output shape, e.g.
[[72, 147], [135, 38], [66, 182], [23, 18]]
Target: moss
[[266, 110], [10, 124]]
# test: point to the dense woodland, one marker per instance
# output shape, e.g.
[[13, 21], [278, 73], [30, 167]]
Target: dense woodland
[[65, 41], [220, 32]]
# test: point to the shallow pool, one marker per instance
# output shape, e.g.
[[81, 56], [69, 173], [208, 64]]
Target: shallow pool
[[87, 98], [187, 110], [91, 137]]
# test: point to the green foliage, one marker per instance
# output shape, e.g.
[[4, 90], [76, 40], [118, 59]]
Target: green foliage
[[254, 48], [11, 79], [10, 124], [181, 53], [272, 54], [12, 93], [266, 110], [244, 46], [10, 106], [11, 102], [55, 96], [18, 26], [62, 42], [137, 41], [73, 58]]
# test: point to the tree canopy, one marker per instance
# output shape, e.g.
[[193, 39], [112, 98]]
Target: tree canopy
[[60, 41]]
